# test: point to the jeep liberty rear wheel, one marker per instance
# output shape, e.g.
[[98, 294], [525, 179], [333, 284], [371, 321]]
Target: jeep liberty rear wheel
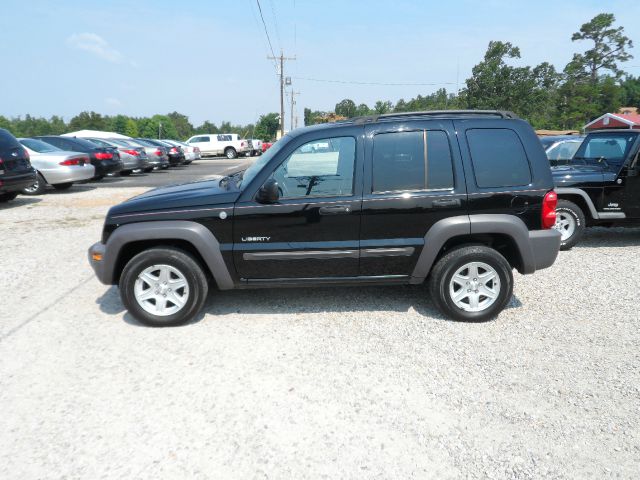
[[230, 153], [570, 222], [471, 284], [163, 287]]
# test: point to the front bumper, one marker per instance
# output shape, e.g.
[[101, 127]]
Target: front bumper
[[98, 250], [545, 245], [68, 174], [15, 183]]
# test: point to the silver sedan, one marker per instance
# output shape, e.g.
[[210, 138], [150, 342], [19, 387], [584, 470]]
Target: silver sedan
[[55, 167]]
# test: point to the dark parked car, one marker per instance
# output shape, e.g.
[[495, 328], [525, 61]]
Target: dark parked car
[[176, 155], [133, 159], [16, 172], [458, 199], [105, 160], [601, 186]]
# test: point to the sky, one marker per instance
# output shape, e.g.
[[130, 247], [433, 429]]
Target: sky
[[208, 58]]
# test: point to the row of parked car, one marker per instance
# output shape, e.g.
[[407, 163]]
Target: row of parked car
[[61, 161]]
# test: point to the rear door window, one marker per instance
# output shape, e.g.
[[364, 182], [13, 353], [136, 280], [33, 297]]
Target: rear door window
[[418, 160], [498, 158]]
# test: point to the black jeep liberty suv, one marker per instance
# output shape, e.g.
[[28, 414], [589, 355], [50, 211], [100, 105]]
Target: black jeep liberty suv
[[455, 198], [600, 186]]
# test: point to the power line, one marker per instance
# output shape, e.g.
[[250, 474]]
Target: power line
[[275, 21], [354, 82], [265, 29]]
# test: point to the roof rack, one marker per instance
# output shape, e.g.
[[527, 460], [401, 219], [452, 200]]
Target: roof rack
[[435, 113]]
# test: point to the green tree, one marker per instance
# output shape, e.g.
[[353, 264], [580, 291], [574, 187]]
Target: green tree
[[362, 110], [181, 123], [207, 127], [630, 91], [267, 127], [57, 125], [88, 121], [609, 48], [496, 85], [118, 124], [383, 107], [346, 108], [131, 128]]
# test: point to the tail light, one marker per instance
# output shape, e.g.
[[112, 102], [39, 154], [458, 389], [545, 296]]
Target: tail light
[[104, 155], [174, 150], [71, 161], [26, 154], [158, 152], [135, 153], [549, 205], [1, 167]]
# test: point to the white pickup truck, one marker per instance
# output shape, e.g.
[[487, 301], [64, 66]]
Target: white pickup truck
[[228, 144]]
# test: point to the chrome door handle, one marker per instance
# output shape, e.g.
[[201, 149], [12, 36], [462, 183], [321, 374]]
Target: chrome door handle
[[335, 210]]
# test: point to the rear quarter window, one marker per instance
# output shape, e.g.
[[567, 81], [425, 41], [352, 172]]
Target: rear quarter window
[[7, 140], [498, 158]]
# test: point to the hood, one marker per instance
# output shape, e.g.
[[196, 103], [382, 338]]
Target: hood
[[194, 194], [566, 175]]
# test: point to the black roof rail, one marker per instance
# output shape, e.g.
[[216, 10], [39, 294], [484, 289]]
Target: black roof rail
[[435, 113]]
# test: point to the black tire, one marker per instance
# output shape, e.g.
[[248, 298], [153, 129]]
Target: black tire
[[148, 170], [38, 188], [7, 197], [97, 178], [230, 153], [63, 186], [573, 213], [444, 270], [125, 173], [178, 259]]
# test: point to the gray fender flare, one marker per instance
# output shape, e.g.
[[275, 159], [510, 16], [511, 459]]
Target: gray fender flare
[[463, 225], [585, 197], [434, 240], [592, 209], [196, 234]]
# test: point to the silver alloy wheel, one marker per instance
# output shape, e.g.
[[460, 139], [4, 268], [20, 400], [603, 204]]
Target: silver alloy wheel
[[230, 153], [33, 188], [565, 224], [161, 290], [474, 287]]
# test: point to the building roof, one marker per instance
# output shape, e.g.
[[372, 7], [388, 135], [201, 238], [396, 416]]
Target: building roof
[[615, 120]]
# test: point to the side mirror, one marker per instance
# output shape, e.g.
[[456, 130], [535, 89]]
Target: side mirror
[[269, 192]]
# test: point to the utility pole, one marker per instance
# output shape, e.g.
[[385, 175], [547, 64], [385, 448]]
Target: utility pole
[[293, 104], [282, 59]]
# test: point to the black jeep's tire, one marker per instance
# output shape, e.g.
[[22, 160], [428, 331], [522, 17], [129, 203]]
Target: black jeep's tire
[[442, 287], [183, 267], [125, 173], [570, 222], [63, 186], [230, 153], [38, 188], [7, 197]]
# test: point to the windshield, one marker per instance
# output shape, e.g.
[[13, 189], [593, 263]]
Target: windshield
[[253, 170], [38, 145], [613, 147]]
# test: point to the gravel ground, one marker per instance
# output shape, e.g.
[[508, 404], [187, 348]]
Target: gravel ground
[[322, 383]]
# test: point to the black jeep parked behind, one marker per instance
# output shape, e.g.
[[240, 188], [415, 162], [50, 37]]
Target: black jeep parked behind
[[458, 198], [16, 171], [600, 186]]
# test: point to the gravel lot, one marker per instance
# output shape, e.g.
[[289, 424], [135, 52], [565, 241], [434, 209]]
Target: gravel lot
[[322, 383]]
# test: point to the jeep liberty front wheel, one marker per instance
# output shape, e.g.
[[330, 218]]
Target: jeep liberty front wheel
[[471, 284], [163, 287], [570, 222]]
